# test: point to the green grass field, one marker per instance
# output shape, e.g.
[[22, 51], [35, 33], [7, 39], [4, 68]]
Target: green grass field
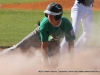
[[16, 24]]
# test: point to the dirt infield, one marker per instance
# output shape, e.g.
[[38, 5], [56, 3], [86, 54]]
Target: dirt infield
[[67, 4]]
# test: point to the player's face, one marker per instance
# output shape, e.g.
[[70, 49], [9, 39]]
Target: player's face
[[51, 19]]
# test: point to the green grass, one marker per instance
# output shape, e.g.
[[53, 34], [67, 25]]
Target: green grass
[[16, 24], [17, 1]]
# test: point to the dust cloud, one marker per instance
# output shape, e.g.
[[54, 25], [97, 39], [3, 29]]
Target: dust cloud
[[84, 62]]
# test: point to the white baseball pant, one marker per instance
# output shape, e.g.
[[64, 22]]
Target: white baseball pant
[[80, 14]]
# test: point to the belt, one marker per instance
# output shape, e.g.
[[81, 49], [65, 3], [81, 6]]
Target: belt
[[87, 5]]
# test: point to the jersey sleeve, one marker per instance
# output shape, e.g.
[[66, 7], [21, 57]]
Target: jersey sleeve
[[69, 32]]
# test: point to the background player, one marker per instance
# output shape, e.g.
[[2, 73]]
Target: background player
[[81, 13]]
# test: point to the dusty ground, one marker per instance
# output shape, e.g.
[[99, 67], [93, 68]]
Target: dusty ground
[[67, 4], [85, 62]]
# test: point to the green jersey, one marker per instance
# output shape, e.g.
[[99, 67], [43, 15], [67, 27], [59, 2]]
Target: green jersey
[[48, 31]]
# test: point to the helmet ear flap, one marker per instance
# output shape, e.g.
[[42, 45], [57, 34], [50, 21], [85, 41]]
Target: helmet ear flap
[[57, 17], [46, 15]]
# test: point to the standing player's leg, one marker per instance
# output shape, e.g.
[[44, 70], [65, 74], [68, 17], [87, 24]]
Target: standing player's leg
[[87, 23], [76, 20]]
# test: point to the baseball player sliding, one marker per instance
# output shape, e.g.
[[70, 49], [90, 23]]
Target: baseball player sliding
[[47, 36], [81, 13]]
